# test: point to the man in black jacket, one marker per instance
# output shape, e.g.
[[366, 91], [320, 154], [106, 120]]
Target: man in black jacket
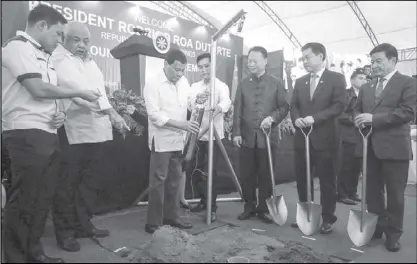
[[349, 134], [260, 103]]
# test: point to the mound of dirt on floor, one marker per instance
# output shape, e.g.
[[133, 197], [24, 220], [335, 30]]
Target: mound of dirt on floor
[[171, 245]]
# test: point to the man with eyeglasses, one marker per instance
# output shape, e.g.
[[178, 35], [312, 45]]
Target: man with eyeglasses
[[222, 102], [87, 127], [318, 99]]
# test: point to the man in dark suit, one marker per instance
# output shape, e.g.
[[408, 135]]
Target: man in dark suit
[[318, 99], [350, 167], [388, 105], [260, 103]]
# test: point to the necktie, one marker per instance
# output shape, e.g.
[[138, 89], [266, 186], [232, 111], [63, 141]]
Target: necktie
[[379, 88], [312, 85]]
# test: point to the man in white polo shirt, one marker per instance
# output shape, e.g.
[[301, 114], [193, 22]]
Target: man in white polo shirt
[[167, 98], [88, 126], [30, 120], [222, 102]]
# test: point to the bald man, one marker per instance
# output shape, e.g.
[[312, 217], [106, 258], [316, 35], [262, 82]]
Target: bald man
[[87, 126]]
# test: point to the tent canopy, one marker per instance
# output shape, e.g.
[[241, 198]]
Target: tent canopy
[[332, 23]]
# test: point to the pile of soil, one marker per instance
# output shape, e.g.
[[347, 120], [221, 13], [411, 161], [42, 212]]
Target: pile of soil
[[171, 245]]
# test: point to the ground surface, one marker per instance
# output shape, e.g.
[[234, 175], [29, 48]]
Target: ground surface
[[229, 237], [218, 245]]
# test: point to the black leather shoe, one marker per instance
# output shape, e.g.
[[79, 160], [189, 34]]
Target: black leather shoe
[[392, 245], [185, 206], [177, 223], [98, 233], [150, 228], [45, 259], [265, 217], [377, 235], [69, 244], [326, 228], [347, 201], [356, 198], [198, 208], [245, 215], [294, 225]]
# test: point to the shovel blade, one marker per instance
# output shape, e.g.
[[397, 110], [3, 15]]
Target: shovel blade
[[357, 236], [277, 209], [308, 217]]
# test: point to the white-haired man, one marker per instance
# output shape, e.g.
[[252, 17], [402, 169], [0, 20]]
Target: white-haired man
[[88, 126]]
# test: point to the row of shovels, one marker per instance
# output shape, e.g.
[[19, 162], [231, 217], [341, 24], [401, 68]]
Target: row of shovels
[[361, 224]]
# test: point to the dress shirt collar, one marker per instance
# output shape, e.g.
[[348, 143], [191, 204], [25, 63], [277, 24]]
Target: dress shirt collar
[[388, 76], [28, 37], [319, 74], [63, 51]]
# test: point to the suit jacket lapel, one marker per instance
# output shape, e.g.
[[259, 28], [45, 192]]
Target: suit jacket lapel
[[372, 90], [386, 90]]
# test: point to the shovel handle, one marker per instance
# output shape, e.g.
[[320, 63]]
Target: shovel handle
[[271, 166], [365, 135], [307, 146], [306, 135]]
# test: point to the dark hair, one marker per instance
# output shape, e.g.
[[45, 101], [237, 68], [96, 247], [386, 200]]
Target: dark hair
[[175, 55], [46, 13], [259, 49], [389, 50], [316, 48], [204, 56], [367, 66], [356, 72]]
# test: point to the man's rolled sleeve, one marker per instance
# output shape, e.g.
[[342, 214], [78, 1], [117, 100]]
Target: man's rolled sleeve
[[225, 101], [19, 58], [150, 94]]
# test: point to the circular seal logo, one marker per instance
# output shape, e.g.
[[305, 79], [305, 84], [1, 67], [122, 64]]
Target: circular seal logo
[[161, 42]]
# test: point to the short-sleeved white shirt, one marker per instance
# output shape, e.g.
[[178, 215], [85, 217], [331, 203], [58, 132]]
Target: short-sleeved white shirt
[[83, 125], [24, 58]]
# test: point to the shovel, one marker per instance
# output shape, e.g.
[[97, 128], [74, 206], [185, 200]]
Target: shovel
[[308, 213], [362, 224], [276, 204]]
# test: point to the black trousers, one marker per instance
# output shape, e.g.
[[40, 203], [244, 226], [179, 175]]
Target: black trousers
[[347, 182], [321, 162], [254, 171], [391, 175], [77, 189], [34, 157], [200, 179]]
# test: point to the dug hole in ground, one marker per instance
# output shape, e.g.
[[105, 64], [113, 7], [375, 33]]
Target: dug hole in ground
[[171, 245]]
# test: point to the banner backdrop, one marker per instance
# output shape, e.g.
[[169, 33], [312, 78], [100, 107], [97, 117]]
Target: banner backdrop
[[112, 22]]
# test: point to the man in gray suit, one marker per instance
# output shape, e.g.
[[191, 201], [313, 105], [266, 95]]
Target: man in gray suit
[[388, 105], [260, 103]]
